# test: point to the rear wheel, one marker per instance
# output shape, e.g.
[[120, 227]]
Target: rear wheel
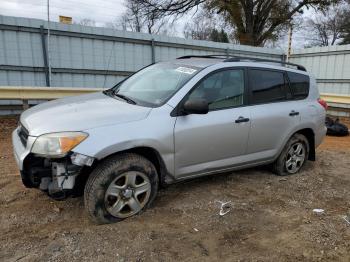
[[120, 187], [293, 156]]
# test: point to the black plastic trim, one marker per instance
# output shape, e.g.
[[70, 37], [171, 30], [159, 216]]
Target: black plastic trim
[[253, 59], [241, 58]]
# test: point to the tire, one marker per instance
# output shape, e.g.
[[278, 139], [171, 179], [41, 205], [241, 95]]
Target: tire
[[119, 187], [289, 158]]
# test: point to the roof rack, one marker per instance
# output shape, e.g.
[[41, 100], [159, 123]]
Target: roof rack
[[238, 59], [202, 56], [241, 58]]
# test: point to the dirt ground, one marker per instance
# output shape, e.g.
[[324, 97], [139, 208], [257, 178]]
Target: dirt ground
[[271, 218]]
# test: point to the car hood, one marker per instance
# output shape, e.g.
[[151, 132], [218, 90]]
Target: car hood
[[80, 113]]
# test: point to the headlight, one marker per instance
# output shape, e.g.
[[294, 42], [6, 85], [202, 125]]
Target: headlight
[[57, 144]]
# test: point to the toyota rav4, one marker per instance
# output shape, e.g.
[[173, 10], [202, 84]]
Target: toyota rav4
[[168, 122]]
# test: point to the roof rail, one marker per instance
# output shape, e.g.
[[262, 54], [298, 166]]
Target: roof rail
[[202, 56], [242, 58]]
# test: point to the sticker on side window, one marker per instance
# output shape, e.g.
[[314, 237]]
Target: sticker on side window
[[185, 70]]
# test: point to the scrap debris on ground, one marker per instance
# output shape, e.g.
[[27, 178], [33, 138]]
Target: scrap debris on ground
[[271, 218], [335, 127]]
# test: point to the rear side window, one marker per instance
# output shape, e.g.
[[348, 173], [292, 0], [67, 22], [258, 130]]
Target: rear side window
[[299, 85], [267, 86]]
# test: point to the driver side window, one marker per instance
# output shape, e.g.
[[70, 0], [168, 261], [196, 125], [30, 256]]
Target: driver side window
[[223, 89]]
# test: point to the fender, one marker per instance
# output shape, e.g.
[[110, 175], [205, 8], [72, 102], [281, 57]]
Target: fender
[[301, 127]]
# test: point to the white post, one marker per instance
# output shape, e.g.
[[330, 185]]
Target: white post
[[289, 48], [48, 40]]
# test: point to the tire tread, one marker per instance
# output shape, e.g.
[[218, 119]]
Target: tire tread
[[278, 165], [104, 169]]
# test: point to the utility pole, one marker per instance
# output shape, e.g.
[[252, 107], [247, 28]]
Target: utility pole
[[48, 40], [289, 48]]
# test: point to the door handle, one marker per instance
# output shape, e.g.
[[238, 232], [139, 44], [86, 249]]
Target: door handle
[[241, 119], [293, 113]]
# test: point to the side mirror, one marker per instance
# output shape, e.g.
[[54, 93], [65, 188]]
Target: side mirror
[[196, 106]]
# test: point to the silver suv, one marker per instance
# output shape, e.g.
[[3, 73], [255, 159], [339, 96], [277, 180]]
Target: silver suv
[[168, 122]]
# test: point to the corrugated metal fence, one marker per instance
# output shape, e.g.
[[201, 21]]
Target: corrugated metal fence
[[330, 65], [82, 56], [92, 57]]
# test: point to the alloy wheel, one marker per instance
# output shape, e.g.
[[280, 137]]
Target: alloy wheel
[[127, 194], [295, 157]]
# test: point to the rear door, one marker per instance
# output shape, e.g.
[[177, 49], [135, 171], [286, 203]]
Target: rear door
[[216, 140], [273, 112], [309, 108]]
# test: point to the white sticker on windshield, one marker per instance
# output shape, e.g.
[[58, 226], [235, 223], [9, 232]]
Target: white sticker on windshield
[[185, 70]]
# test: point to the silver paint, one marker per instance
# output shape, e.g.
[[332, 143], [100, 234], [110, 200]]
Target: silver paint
[[190, 145]]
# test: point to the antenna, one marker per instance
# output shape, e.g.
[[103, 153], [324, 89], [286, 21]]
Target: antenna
[[109, 61], [289, 48]]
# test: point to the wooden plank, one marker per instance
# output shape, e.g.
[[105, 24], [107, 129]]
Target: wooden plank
[[26, 93], [335, 98]]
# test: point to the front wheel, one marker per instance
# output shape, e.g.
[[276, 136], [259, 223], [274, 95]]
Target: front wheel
[[120, 187], [293, 156]]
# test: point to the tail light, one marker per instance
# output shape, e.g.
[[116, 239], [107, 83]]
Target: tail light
[[322, 103]]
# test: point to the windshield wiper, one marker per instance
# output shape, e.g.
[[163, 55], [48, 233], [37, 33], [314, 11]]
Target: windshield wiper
[[108, 92], [127, 99]]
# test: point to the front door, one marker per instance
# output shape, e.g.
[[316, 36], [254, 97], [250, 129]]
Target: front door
[[216, 140]]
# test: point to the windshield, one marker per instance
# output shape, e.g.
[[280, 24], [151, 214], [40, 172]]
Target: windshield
[[155, 84]]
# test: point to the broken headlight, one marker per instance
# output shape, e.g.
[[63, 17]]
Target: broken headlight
[[57, 144]]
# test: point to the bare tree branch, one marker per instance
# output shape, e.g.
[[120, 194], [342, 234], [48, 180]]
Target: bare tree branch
[[254, 21]]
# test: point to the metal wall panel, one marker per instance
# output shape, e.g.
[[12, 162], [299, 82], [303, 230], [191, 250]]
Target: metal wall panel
[[329, 65], [83, 49], [83, 56]]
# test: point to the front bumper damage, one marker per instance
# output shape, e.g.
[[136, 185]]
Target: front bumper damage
[[56, 176]]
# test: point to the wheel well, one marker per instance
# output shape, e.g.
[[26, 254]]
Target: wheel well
[[310, 136], [150, 154], [147, 152], [153, 156]]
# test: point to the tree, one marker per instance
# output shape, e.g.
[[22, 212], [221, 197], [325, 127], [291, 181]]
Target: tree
[[325, 28], [218, 36], [204, 26], [254, 21], [199, 26], [87, 22], [137, 18], [132, 19], [345, 27]]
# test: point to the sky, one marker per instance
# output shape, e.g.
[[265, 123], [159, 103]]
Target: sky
[[101, 11]]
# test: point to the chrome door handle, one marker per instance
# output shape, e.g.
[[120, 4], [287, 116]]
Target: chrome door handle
[[241, 119], [293, 113]]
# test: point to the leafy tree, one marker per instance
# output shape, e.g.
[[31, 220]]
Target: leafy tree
[[254, 21], [218, 36]]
